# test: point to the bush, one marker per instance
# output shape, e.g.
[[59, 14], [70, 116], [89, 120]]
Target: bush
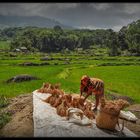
[[3, 101], [125, 53], [4, 118]]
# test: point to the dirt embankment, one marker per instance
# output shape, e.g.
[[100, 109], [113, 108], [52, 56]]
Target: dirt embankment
[[21, 124]]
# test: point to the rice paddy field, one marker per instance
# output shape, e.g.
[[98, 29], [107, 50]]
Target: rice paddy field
[[120, 74]]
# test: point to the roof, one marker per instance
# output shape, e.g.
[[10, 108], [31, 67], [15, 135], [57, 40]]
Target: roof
[[23, 48]]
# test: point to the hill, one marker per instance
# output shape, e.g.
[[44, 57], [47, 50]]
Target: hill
[[23, 21]]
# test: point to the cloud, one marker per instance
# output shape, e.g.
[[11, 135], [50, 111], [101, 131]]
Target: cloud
[[96, 15], [117, 27], [132, 8], [65, 5], [101, 6], [88, 27]]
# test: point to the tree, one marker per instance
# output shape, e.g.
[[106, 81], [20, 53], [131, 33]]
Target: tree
[[85, 41], [113, 44], [122, 38], [58, 28], [133, 37]]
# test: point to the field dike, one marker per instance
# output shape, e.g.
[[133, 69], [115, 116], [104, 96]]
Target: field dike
[[64, 74]]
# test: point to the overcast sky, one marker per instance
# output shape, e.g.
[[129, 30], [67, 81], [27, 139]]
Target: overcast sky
[[82, 15]]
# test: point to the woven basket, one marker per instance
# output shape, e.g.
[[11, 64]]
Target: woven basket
[[106, 120]]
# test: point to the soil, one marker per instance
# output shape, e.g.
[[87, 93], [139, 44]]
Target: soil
[[21, 123]]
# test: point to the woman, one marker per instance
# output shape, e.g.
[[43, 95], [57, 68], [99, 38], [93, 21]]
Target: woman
[[92, 85]]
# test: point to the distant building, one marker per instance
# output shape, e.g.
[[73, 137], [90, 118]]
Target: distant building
[[79, 49], [23, 49], [17, 50]]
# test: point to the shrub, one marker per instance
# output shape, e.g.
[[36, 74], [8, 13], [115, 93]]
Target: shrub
[[3, 101], [4, 118]]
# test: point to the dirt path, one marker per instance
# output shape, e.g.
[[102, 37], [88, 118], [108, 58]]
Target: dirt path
[[21, 124]]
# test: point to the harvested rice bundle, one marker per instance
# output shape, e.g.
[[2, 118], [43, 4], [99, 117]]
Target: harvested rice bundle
[[78, 103], [48, 88], [102, 102], [48, 99], [52, 87], [41, 90], [113, 107], [58, 101], [62, 109], [75, 102], [88, 105], [45, 90], [90, 114], [81, 104], [88, 111], [122, 103], [55, 96], [58, 91], [68, 99], [110, 107], [57, 85], [52, 100], [45, 85]]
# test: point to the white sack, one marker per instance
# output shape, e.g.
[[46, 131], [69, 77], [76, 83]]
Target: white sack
[[128, 115], [74, 117]]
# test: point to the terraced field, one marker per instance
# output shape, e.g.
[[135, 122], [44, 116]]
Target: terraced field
[[120, 74]]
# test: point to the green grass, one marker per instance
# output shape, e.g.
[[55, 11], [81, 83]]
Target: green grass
[[4, 118], [45, 73], [4, 45], [3, 101], [120, 74], [121, 79], [64, 74]]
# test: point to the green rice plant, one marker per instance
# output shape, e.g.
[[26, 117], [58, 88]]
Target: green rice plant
[[119, 73], [64, 74], [4, 45], [4, 118]]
